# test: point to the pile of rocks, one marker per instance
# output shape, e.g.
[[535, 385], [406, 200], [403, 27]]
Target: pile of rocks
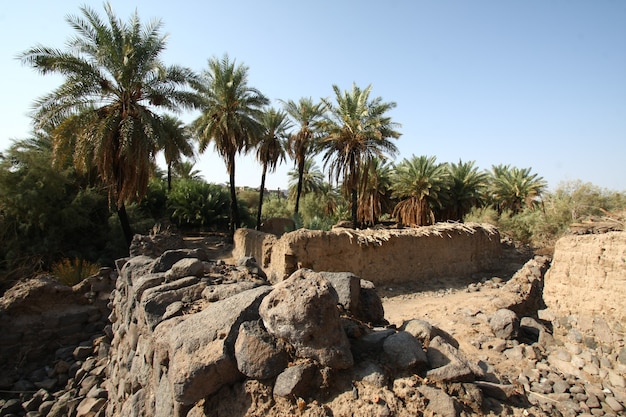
[[193, 336]]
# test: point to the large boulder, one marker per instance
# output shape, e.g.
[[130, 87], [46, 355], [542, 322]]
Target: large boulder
[[303, 310], [200, 347]]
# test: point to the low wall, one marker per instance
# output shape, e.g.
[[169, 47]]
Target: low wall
[[383, 256]]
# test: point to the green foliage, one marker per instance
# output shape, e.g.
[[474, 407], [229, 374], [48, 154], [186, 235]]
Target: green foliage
[[72, 271], [48, 213], [196, 204], [275, 206]]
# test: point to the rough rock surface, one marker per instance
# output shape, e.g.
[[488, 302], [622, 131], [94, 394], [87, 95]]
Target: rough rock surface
[[560, 362]]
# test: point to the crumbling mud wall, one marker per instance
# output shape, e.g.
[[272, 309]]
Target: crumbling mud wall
[[383, 256], [585, 294], [588, 275]]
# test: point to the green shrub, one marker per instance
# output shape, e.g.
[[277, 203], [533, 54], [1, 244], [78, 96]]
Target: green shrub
[[197, 204]]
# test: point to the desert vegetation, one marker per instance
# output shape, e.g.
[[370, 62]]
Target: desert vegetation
[[86, 180]]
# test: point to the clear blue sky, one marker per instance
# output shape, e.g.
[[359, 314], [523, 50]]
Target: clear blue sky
[[535, 84]]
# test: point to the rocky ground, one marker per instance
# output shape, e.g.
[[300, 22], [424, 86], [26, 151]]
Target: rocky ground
[[532, 373]]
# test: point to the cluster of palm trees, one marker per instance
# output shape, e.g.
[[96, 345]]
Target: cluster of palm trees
[[113, 114], [421, 191]]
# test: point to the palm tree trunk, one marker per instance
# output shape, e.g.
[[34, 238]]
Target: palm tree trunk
[[169, 177], [355, 205], [125, 223], [258, 215], [299, 189], [234, 210]]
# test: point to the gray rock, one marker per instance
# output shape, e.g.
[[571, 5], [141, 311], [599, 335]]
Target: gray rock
[[258, 354], [81, 353], [370, 373], [370, 308], [348, 288], [298, 380], [165, 262], [11, 406], [186, 267], [448, 364], [614, 404], [90, 406], [303, 310], [439, 403], [155, 301], [199, 348], [403, 351], [250, 265], [420, 329], [504, 324], [370, 345], [219, 292]]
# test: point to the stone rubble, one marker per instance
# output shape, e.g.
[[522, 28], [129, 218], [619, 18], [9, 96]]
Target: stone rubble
[[191, 336]]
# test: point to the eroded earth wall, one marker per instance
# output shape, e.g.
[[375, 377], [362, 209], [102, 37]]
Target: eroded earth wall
[[381, 256]]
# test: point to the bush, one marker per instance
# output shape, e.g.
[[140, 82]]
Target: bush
[[71, 272], [197, 204]]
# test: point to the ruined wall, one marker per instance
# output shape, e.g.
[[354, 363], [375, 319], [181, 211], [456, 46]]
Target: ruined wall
[[382, 256], [585, 294], [41, 315], [588, 274]]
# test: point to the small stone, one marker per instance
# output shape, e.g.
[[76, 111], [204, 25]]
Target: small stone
[[592, 401], [560, 387], [614, 404], [617, 380], [82, 352], [563, 355]]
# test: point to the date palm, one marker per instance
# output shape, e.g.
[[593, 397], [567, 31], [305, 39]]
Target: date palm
[[309, 180], [419, 183], [514, 189], [356, 131], [230, 119], [185, 170], [174, 142], [375, 192], [302, 144], [104, 112], [271, 147], [466, 189]]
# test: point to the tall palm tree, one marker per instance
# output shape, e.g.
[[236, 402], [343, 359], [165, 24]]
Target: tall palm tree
[[356, 130], [419, 183], [375, 192], [308, 180], [301, 145], [231, 114], [514, 189], [185, 170], [175, 143], [271, 147], [466, 190], [104, 112]]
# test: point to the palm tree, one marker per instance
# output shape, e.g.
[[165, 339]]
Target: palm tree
[[185, 170], [375, 192], [308, 180], [271, 147], [175, 142], [466, 190], [514, 189], [231, 111], [302, 144], [104, 112], [356, 131], [419, 183]]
